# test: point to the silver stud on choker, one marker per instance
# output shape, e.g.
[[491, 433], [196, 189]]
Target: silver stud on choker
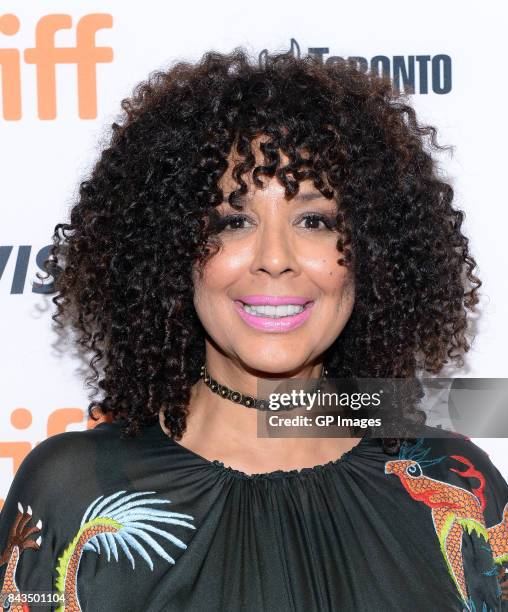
[[247, 400]]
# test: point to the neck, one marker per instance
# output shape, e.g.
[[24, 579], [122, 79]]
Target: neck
[[218, 428]]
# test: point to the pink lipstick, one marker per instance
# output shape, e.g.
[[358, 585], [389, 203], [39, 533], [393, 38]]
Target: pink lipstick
[[274, 323]]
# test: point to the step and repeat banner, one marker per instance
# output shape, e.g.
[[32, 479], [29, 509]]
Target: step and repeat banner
[[64, 68]]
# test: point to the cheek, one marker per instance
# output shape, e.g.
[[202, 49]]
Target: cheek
[[336, 283], [332, 278], [220, 272]]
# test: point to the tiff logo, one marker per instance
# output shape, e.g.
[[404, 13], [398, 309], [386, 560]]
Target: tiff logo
[[45, 56]]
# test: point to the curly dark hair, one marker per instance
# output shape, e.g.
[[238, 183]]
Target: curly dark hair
[[122, 266]]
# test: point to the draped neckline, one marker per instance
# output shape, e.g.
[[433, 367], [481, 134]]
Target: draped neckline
[[219, 466]]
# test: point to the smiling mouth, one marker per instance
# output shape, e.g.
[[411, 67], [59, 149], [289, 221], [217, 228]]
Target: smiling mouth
[[275, 312]]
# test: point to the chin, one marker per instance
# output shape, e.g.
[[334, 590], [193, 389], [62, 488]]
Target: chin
[[273, 366]]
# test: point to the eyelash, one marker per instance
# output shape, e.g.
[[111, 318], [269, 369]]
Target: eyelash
[[225, 220]]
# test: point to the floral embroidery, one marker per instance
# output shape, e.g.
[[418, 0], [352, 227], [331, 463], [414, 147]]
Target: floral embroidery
[[453, 509]]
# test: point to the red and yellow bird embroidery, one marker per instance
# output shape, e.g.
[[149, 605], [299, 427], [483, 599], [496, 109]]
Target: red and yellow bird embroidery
[[453, 509]]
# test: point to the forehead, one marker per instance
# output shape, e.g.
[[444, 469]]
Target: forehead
[[227, 182]]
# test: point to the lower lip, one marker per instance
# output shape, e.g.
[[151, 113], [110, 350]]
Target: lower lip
[[270, 324]]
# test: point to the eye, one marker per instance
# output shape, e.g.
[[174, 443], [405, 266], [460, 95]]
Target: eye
[[235, 221], [316, 218], [312, 222], [414, 470]]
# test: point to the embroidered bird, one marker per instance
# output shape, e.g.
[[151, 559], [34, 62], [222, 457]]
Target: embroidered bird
[[453, 509]]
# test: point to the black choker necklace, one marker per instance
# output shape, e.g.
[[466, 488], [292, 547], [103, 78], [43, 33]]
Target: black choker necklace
[[246, 400]]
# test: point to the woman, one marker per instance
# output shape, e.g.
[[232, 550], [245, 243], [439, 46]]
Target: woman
[[246, 224]]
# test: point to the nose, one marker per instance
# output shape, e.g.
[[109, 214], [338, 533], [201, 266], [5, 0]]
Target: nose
[[274, 249]]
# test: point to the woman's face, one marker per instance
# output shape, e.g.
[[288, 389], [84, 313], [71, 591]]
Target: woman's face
[[275, 248]]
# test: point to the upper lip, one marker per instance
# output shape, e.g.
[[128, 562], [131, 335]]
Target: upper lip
[[273, 300]]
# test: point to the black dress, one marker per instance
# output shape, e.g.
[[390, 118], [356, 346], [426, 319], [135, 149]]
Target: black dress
[[148, 525]]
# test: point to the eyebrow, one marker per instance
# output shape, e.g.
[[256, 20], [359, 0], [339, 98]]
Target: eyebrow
[[314, 195], [303, 197]]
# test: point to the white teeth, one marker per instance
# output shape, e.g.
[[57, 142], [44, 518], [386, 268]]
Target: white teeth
[[273, 311]]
